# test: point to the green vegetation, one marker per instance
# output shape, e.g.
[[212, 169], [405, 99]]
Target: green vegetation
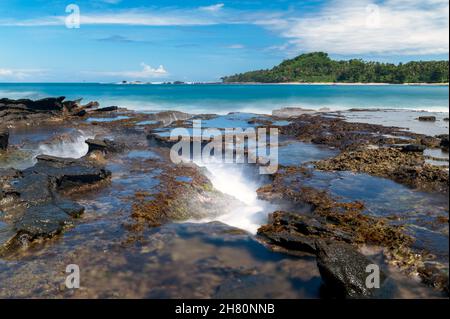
[[318, 67]]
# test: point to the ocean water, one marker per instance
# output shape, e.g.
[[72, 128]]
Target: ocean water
[[222, 99]]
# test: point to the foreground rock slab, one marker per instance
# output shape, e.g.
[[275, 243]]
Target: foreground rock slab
[[34, 202], [345, 271]]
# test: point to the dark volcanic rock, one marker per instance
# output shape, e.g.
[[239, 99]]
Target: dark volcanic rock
[[81, 113], [427, 118], [68, 173], [47, 104], [71, 208], [44, 220], [413, 148], [7, 237], [37, 208], [343, 270], [444, 144], [105, 146], [107, 109], [25, 111], [4, 138], [298, 232]]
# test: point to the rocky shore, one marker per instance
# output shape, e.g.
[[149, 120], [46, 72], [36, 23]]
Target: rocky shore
[[127, 167]]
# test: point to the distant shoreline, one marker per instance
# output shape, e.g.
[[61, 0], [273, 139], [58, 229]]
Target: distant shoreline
[[340, 83], [243, 83]]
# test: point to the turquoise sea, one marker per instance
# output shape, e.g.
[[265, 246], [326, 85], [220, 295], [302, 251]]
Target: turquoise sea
[[217, 98]]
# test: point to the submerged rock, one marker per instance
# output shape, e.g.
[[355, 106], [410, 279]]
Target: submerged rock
[[288, 112], [427, 118], [42, 221], [345, 271]]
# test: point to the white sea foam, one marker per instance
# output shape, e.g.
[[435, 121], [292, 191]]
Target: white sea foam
[[73, 146], [231, 179]]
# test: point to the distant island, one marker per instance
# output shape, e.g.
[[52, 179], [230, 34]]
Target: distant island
[[317, 67]]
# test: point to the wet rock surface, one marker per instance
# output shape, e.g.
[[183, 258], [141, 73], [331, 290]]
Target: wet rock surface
[[130, 241], [104, 146], [317, 217], [427, 118], [26, 112], [4, 139], [407, 168], [344, 271], [33, 201]]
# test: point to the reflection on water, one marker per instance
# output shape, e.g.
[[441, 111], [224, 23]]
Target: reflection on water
[[406, 119]]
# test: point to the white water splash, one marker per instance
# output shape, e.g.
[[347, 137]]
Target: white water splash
[[231, 180], [73, 146]]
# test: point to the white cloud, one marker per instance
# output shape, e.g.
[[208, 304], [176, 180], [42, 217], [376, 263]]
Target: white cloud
[[361, 27], [130, 17], [347, 27], [147, 72], [19, 74], [213, 8]]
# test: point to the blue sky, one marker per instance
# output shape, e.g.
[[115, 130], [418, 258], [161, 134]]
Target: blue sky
[[203, 40]]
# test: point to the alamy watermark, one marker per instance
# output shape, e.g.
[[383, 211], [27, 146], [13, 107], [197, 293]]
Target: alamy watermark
[[73, 19], [73, 279], [373, 279], [230, 145]]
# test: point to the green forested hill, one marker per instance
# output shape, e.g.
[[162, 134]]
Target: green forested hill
[[318, 67]]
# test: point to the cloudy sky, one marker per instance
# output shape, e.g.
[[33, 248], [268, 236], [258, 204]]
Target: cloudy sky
[[202, 40]]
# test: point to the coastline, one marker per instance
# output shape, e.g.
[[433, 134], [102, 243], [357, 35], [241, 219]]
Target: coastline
[[338, 83]]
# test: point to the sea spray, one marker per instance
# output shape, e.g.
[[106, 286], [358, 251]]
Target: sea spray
[[70, 146], [234, 180]]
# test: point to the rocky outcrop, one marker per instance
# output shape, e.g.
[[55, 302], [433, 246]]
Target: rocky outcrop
[[444, 144], [47, 104], [338, 133], [168, 117], [298, 233], [107, 109], [413, 148], [177, 199], [33, 199], [4, 139], [25, 111], [404, 167], [104, 146]]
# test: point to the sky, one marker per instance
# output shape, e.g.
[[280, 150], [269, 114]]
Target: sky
[[203, 40]]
